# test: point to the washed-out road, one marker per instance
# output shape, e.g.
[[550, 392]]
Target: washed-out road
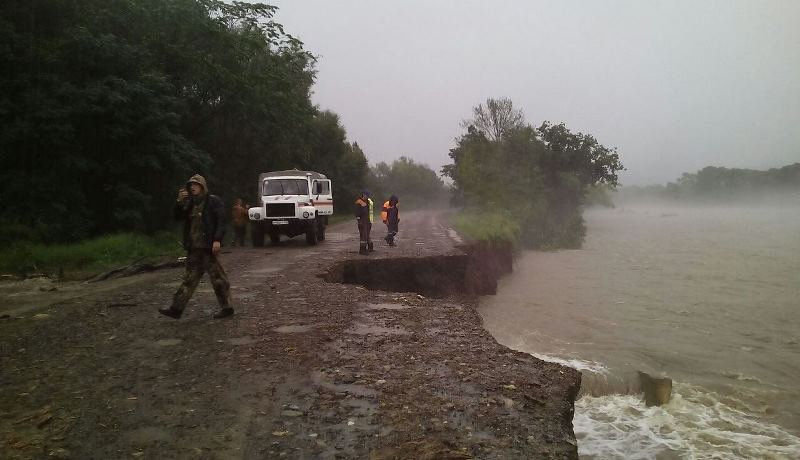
[[306, 368]]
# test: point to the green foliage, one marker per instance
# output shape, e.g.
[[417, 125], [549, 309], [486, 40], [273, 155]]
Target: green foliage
[[539, 176], [88, 257], [106, 107], [494, 226], [417, 185]]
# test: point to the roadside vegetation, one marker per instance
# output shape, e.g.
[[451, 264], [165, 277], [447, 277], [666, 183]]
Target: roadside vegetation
[[526, 184], [494, 228], [88, 257]]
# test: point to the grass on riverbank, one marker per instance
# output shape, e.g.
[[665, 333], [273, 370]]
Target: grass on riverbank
[[493, 227], [89, 257]]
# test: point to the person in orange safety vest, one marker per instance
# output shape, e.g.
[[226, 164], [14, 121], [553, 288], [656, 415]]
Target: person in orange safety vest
[[390, 215]]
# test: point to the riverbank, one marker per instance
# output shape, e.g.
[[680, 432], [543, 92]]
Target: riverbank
[[307, 367], [706, 296]]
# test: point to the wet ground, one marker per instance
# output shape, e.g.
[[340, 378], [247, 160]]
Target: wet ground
[[305, 369]]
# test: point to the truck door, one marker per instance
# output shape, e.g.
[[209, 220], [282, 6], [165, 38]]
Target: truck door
[[323, 197]]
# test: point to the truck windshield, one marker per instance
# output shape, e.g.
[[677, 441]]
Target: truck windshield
[[286, 187]]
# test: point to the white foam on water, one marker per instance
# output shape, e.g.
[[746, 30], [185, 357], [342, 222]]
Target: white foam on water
[[575, 363], [695, 424]]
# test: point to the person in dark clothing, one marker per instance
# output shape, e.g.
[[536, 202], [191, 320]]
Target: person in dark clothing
[[240, 220], [390, 215], [363, 211], [204, 226]]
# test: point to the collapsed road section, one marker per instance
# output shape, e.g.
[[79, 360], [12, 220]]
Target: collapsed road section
[[473, 272], [325, 358]]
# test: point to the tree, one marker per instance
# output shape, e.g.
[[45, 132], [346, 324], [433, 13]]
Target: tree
[[89, 130], [539, 176], [106, 107], [417, 185], [714, 183], [496, 118]]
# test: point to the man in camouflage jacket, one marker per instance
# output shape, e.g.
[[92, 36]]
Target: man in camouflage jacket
[[204, 226]]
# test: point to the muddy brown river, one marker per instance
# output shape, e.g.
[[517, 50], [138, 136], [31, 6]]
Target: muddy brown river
[[707, 296]]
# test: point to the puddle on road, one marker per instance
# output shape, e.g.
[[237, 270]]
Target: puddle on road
[[246, 340], [148, 435], [339, 237], [262, 271], [170, 285], [246, 296], [367, 329], [384, 306], [295, 299], [353, 389], [294, 328]]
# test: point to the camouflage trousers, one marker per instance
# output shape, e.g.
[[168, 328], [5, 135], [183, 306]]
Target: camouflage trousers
[[199, 261]]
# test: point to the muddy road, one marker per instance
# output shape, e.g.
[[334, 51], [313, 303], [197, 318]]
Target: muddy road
[[312, 365]]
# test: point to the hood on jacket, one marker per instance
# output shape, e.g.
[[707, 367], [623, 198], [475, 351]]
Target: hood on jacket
[[198, 179]]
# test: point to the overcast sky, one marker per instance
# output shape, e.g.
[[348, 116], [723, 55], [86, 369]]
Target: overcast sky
[[675, 86]]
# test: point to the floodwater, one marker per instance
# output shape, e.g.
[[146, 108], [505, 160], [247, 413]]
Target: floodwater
[[709, 297]]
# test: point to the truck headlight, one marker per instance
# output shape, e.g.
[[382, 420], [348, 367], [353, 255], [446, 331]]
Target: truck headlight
[[256, 216], [305, 214]]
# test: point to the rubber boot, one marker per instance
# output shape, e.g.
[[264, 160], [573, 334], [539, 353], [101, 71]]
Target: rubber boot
[[370, 246], [362, 248]]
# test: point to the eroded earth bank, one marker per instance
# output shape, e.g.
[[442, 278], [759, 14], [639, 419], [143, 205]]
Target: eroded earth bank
[[330, 355]]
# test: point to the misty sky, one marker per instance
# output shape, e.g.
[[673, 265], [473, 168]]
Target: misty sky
[[676, 86]]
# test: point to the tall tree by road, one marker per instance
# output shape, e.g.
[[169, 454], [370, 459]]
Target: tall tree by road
[[495, 118]]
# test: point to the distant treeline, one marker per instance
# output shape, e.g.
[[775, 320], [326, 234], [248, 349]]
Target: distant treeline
[[106, 107], [417, 185], [717, 184], [524, 183]]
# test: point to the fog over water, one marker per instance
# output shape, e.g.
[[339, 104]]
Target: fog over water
[[709, 296]]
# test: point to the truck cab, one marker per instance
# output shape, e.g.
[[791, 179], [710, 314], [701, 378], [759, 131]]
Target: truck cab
[[293, 203]]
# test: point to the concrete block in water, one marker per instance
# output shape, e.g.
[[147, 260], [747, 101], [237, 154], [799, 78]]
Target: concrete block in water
[[657, 390]]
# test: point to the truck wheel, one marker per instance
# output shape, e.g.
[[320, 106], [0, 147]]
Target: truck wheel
[[311, 234], [321, 230], [257, 235], [275, 239]]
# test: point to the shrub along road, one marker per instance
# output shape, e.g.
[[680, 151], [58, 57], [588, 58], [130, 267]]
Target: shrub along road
[[306, 368]]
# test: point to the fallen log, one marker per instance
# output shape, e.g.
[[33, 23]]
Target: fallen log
[[135, 268]]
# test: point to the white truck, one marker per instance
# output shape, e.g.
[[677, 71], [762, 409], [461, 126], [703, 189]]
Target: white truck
[[293, 203]]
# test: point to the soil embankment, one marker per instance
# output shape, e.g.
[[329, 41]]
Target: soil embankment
[[313, 365]]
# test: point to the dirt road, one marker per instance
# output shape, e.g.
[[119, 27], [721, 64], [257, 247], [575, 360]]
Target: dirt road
[[305, 369]]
